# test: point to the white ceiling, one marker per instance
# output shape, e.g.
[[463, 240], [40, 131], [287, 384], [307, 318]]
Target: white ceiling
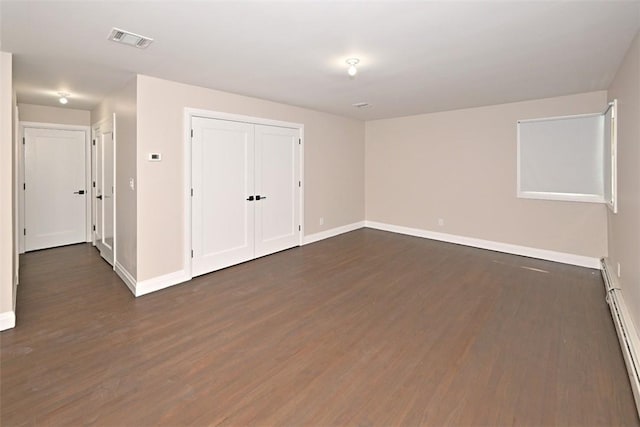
[[416, 57]]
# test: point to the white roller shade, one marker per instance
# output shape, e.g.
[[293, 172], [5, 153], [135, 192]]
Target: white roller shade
[[562, 158]]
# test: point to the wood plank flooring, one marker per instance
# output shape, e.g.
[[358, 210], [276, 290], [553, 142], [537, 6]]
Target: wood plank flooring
[[368, 328]]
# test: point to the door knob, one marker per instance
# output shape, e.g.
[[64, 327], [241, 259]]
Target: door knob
[[99, 197], [260, 197], [250, 198], [79, 192]]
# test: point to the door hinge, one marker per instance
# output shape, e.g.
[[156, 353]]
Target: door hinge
[[191, 133], [192, 192], [299, 228], [299, 183], [23, 140], [24, 186], [94, 228], [191, 253], [94, 142], [299, 141], [24, 232], [94, 184]]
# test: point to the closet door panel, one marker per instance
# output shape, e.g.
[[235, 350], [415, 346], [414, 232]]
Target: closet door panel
[[223, 222], [277, 183]]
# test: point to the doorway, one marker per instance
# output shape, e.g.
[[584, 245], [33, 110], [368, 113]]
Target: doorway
[[55, 206]]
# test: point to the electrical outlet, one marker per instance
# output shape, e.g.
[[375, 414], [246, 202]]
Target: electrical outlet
[[618, 269], [440, 222], [321, 220]]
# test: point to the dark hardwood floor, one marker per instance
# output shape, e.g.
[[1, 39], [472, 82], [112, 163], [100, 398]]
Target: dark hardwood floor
[[368, 328]]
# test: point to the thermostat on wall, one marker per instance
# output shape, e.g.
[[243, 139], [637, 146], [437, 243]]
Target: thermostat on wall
[[155, 157]]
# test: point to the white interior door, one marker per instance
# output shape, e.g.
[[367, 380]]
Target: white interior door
[[97, 150], [277, 179], [55, 204], [222, 182], [105, 191]]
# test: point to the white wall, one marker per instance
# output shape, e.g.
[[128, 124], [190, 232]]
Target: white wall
[[7, 248], [461, 166], [333, 171], [57, 115], [624, 227], [123, 103]]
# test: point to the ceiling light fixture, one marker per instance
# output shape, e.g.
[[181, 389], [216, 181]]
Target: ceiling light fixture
[[64, 98], [352, 66]]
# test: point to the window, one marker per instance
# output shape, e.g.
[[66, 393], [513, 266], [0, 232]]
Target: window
[[569, 158]]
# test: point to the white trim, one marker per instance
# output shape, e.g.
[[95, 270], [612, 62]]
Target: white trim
[[567, 197], [7, 320], [613, 203], [186, 203], [207, 114], [627, 333], [21, 168], [312, 238], [126, 277], [114, 193], [301, 198], [189, 114], [562, 257], [548, 119], [17, 195], [161, 282]]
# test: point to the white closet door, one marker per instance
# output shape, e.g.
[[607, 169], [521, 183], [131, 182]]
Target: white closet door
[[277, 185], [55, 204], [106, 191], [222, 181]]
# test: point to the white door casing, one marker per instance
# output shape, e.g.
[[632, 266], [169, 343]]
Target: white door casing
[[55, 187]]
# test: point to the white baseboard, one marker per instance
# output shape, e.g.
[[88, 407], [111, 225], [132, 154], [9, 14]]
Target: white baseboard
[[7, 320], [627, 333], [562, 257], [126, 277], [161, 282], [332, 232]]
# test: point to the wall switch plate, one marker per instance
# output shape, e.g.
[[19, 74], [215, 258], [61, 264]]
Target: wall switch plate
[[321, 220], [440, 222], [132, 184]]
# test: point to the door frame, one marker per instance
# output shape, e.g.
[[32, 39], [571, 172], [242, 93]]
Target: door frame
[[190, 113], [21, 174]]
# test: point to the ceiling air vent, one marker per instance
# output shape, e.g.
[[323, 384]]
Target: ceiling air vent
[[130, 39], [362, 105]]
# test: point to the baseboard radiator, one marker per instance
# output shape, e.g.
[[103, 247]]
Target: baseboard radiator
[[627, 334]]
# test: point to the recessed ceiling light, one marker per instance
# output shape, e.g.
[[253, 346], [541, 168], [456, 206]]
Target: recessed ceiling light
[[129, 38], [352, 70], [362, 105], [64, 98]]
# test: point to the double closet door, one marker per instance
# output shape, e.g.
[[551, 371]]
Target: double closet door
[[245, 192]]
